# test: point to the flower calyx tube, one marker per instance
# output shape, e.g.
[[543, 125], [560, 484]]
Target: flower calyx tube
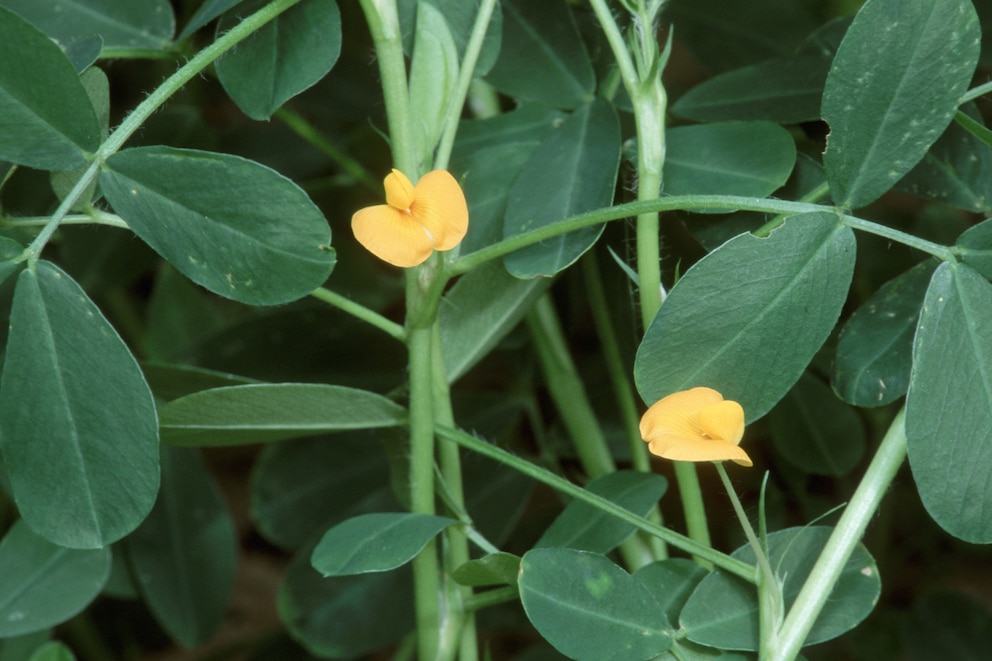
[[416, 219], [695, 425]]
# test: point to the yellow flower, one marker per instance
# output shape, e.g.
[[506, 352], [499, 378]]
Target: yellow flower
[[416, 221], [695, 425]]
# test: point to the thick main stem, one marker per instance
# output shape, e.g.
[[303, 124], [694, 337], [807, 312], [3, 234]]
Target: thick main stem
[[427, 582], [845, 537]]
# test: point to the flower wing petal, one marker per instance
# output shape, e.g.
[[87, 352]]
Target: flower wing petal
[[723, 420], [399, 190], [439, 205], [676, 448], [391, 235]]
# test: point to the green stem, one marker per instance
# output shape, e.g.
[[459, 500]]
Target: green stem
[[693, 507], [465, 75], [451, 472], [359, 311], [721, 560], [845, 537], [384, 25], [427, 581], [640, 458], [492, 597], [567, 390], [728, 203], [575, 409], [770, 604], [615, 364], [975, 92], [306, 130]]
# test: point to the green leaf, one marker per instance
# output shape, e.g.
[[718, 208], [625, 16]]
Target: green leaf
[[730, 35], [282, 58], [948, 625], [815, 431], [893, 89], [264, 412], [480, 310], [50, 126], [730, 158], [206, 12], [787, 91], [671, 582], [9, 251], [723, 611], [589, 608], [169, 381], [186, 582], [974, 127], [525, 124], [75, 412], [139, 24], [53, 651], [307, 485], [346, 616], [586, 528], [874, 350], [97, 88], [460, 16], [491, 569], [180, 316], [949, 404], [975, 245], [375, 542], [488, 156], [42, 584], [82, 51], [433, 78], [543, 58], [229, 224], [18, 648], [957, 171], [573, 170], [741, 320]]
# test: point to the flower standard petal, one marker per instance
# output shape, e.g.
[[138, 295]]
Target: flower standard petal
[[392, 235], [677, 413], [439, 205]]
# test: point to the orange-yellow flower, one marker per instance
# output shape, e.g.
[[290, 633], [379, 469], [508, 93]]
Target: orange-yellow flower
[[695, 425], [415, 221]]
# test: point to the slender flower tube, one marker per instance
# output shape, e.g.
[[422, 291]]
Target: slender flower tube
[[695, 425], [415, 221]]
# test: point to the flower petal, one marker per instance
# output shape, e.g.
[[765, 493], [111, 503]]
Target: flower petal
[[439, 205], [678, 413], [391, 235], [723, 420], [676, 448], [399, 190]]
